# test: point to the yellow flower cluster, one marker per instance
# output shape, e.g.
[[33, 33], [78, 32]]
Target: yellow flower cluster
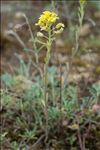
[[48, 19]]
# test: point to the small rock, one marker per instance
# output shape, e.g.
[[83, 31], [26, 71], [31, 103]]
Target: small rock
[[60, 43], [97, 70], [97, 14], [91, 58], [96, 107], [22, 84], [85, 30]]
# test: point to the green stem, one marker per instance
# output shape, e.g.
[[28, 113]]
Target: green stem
[[47, 59]]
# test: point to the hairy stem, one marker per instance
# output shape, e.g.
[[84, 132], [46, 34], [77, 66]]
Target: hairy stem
[[47, 59]]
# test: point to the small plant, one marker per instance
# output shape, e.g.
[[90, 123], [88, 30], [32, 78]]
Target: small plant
[[47, 23], [29, 135], [45, 109], [78, 27]]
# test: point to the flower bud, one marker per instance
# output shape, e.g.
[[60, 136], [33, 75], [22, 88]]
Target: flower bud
[[59, 25], [59, 31], [82, 2], [40, 34]]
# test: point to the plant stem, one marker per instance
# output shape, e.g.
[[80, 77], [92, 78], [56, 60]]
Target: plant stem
[[77, 36], [79, 135], [47, 59], [61, 94]]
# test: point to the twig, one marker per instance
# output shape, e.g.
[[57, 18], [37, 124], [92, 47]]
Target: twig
[[38, 141], [11, 32], [85, 135], [79, 135]]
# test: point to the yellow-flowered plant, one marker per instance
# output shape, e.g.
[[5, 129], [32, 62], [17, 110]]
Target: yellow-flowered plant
[[48, 23]]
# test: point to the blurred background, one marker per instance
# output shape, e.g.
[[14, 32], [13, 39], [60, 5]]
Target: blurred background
[[88, 59]]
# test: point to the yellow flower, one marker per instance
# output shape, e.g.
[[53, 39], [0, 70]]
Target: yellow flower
[[47, 19]]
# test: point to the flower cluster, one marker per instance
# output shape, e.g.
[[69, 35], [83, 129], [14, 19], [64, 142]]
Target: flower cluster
[[48, 20]]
